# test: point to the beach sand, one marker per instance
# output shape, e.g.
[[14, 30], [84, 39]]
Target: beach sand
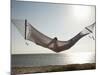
[[52, 68]]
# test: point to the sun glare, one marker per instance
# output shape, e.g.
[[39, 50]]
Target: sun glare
[[81, 12]]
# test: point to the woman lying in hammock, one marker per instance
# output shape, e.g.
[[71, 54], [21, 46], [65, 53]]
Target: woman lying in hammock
[[54, 44], [33, 35]]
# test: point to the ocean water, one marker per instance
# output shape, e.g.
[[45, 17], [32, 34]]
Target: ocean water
[[32, 60]]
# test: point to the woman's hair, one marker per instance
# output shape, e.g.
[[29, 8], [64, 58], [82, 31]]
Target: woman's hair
[[55, 38]]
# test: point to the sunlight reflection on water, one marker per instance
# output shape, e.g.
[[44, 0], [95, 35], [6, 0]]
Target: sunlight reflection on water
[[52, 59]]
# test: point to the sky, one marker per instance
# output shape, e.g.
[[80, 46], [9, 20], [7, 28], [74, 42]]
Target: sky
[[63, 21]]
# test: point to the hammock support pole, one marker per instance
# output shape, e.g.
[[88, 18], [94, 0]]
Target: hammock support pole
[[25, 27]]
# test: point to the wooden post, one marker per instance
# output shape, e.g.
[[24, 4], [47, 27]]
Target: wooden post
[[25, 27]]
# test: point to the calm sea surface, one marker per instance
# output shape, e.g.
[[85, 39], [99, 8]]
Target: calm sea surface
[[30, 60]]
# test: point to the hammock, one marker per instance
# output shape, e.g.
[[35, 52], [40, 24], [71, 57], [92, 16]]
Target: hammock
[[33, 35]]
